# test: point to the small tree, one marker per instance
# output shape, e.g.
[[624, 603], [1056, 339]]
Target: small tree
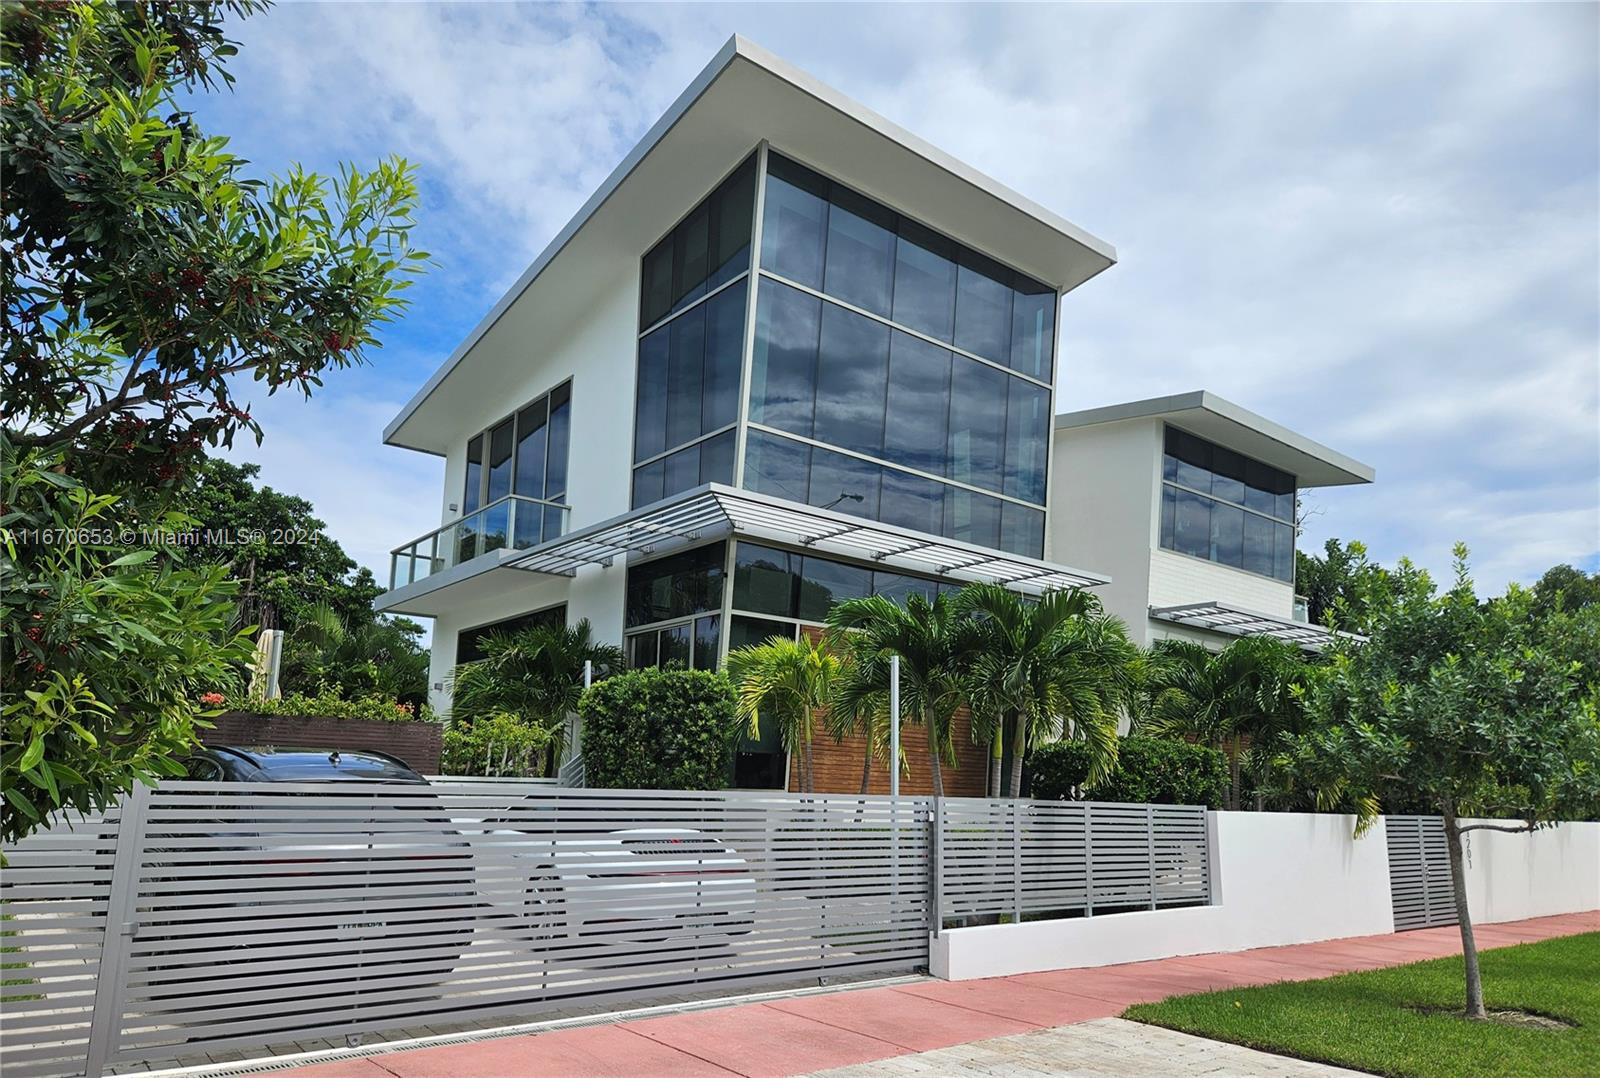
[[1457, 705], [792, 682]]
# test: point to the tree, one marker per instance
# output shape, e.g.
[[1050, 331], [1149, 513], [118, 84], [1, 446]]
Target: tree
[[535, 674], [1461, 706], [792, 682], [1054, 666], [144, 277], [1226, 699], [1563, 587], [374, 655], [1337, 584]]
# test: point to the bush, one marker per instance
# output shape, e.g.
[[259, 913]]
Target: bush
[[1149, 771], [659, 730], [326, 704], [501, 746]]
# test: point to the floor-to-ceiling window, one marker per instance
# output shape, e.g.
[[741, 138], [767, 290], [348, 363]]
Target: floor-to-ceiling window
[[674, 610], [512, 467], [691, 344], [897, 375], [1222, 506]]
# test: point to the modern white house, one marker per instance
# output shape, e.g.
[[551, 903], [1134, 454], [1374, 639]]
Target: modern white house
[[789, 353]]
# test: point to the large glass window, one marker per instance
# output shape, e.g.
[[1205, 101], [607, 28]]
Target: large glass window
[[1222, 506], [675, 586], [687, 388], [804, 587], [526, 455], [469, 642]]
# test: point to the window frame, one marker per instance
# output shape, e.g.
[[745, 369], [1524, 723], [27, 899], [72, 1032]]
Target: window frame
[[1168, 542], [484, 437]]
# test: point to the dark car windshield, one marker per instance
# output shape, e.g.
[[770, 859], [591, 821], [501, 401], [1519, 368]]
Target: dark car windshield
[[293, 766]]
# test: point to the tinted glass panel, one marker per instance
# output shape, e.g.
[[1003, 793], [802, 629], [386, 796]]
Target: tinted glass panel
[[1169, 503], [897, 587], [793, 223], [675, 646], [1227, 535], [682, 471], [972, 517], [1286, 506], [684, 370], [647, 483], [1227, 475], [675, 586], [724, 344], [852, 374], [1022, 530], [469, 642], [555, 471], [655, 291], [911, 501], [1033, 328], [860, 254], [691, 253], [532, 440], [707, 633], [743, 632], [1191, 529], [983, 308], [1027, 440], [776, 466], [716, 459], [977, 423], [764, 580], [1258, 541], [650, 411], [915, 433], [784, 370], [472, 495], [924, 281], [1283, 552], [642, 649], [825, 583], [732, 218], [844, 484]]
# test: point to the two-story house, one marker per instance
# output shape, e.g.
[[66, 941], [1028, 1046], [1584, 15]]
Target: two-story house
[[788, 353]]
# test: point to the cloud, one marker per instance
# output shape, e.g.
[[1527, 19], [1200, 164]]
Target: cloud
[[1375, 224]]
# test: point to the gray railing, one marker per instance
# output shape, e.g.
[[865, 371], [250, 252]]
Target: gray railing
[[199, 918], [513, 521]]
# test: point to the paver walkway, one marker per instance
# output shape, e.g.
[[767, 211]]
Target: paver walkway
[[1103, 1048], [815, 1033]]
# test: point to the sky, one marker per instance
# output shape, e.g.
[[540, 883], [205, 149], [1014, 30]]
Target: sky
[[1378, 225]]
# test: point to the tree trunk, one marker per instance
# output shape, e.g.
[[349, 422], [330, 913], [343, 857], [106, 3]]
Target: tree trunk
[[1233, 774], [811, 773], [933, 761], [1018, 747], [997, 751], [1458, 884], [866, 765]]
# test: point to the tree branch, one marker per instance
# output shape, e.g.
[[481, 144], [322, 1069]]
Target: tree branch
[[1521, 829]]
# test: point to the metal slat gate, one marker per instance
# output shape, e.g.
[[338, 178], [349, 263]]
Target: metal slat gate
[[205, 917], [1419, 872]]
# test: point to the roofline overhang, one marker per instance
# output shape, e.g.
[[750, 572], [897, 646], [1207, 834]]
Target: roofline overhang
[[737, 48], [1317, 465]]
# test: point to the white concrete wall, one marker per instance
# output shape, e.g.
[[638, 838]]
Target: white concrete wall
[[1179, 578], [1281, 878], [1552, 870]]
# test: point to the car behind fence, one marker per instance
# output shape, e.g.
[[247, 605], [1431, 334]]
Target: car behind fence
[[199, 917]]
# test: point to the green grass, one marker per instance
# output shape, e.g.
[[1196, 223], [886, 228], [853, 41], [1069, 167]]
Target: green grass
[[1368, 1021]]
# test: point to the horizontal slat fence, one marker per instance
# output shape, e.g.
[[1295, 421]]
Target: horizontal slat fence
[[1419, 872], [1022, 858], [206, 917]]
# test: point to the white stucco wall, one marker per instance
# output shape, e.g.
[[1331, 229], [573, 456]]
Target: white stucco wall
[[1553, 870]]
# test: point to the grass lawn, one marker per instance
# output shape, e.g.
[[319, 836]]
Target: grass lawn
[[1367, 1021]]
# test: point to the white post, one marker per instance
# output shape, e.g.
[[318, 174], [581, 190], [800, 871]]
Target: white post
[[894, 726], [588, 673]]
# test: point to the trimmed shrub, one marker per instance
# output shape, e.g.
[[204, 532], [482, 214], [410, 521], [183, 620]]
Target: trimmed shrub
[[501, 746], [326, 704], [1149, 770], [659, 730]]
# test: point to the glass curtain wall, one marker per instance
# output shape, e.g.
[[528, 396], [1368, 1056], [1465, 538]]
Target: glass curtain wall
[[524, 454], [1219, 505], [691, 344], [897, 375]]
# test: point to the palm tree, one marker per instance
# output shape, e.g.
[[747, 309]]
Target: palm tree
[[934, 642], [1222, 698], [791, 681], [1056, 666], [535, 674], [377, 656]]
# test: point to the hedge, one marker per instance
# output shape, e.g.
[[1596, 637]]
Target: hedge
[[496, 746], [659, 730], [1149, 770], [327, 703]]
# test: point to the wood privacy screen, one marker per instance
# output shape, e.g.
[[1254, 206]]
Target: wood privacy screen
[[203, 917], [1419, 872]]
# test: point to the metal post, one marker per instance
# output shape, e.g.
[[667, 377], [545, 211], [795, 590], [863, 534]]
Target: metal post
[[1088, 859], [105, 1025], [936, 873], [1016, 861], [1150, 848], [588, 673], [894, 726]]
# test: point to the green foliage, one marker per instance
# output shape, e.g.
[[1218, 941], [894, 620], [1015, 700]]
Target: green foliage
[[501, 746], [660, 730], [366, 656], [1148, 770], [1563, 588], [1338, 585], [791, 681], [105, 653], [329, 703]]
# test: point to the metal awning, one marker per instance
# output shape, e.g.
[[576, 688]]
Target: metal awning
[[713, 511], [1236, 621]]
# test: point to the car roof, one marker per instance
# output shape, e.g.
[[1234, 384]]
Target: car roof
[[279, 764]]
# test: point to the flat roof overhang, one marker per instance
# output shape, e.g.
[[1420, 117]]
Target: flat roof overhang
[[1227, 424], [1233, 620], [745, 95]]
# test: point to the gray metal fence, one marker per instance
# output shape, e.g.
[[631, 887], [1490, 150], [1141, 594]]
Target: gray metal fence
[[1419, 872], [200, 917]]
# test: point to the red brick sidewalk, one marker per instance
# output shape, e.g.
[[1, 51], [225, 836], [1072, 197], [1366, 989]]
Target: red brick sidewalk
[[811, 1033]]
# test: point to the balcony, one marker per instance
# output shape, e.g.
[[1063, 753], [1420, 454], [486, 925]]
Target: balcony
[[513, 522]]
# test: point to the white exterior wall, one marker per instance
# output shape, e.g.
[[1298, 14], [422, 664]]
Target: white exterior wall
[[1179, 578], [1282, 878]]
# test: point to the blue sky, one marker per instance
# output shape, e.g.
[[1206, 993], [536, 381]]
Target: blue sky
[[1379, 225]]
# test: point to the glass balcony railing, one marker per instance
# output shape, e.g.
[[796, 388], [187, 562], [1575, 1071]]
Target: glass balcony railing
[[513, 521]]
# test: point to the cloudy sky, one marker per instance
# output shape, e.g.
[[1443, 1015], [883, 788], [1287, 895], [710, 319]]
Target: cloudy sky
[[1379, 225]]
